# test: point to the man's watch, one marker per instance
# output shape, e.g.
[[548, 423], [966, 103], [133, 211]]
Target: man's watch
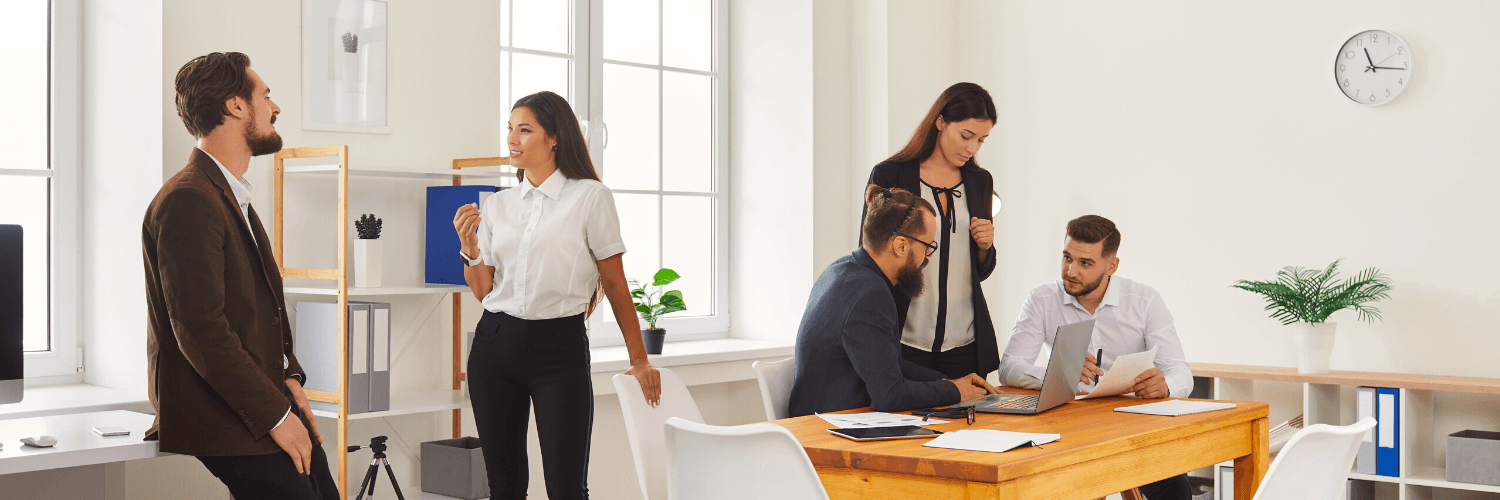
[[469, 262]]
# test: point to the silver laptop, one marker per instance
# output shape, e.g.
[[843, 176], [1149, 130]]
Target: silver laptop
[[1060, 383]]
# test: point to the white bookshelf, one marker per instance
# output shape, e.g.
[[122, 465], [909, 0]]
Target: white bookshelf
[[390, 173], [411, 403], [1432, 407], [330, 289]]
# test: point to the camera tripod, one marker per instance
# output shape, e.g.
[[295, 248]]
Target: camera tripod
[[377, 445]]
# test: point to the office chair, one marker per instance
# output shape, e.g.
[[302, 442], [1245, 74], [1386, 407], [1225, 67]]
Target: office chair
[[643, 426], [775, 379], [756, 461], [1315, 464]]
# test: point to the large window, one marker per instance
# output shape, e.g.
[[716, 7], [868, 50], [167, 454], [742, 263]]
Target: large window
[[645, 78], [37, 174]]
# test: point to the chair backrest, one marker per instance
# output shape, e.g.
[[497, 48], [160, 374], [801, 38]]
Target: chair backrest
[[753, 461], [643, 426], [1315, 463], [775, 385]]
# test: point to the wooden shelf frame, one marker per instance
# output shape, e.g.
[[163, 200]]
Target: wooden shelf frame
[[1327, 398], [409, 403]]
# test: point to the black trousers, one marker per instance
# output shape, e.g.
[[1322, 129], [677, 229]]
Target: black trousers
[[515, 365], [274, 476], [953, 363], [1172, 488]]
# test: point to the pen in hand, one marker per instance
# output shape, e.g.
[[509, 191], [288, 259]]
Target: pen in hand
[[1099, 362]]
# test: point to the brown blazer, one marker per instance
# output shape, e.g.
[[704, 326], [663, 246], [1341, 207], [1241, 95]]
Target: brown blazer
[[218, 328]]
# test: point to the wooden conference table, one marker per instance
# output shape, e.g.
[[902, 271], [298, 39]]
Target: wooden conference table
[[1101, 452]]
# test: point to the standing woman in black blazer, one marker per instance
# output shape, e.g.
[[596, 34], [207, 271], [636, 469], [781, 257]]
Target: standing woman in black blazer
[[539, 257], [948, 328]]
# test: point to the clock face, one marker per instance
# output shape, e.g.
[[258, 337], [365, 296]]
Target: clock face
[[1373, 67]]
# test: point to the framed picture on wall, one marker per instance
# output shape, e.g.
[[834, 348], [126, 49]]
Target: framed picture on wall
[[346, 65]]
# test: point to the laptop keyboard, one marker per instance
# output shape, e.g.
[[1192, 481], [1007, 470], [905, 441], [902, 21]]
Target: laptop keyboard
[[1022, 402]]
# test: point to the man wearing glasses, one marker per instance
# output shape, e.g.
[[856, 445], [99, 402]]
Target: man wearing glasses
[[849, 343]]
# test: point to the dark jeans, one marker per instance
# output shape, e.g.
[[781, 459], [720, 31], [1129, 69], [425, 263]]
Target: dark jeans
[[516, 364], [1172, 488], [274, 476], [952, 363]]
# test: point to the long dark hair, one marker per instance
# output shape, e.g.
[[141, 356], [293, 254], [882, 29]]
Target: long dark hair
[[556, 118], [572, 152], [960, 102]]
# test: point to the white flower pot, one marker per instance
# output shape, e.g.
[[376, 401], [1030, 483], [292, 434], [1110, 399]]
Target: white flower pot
[[1313, 344], [367, 261]]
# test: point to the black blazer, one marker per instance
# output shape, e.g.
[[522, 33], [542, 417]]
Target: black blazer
[[981, 186], [848, 348]]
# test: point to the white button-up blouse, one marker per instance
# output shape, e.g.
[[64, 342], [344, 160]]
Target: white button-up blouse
[[545, 243]]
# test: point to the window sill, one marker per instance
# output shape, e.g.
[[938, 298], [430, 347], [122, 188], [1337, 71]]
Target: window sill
[[696, 362], [75, 398]]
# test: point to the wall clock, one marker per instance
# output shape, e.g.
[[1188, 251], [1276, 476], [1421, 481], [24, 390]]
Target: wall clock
[[1373, 67]]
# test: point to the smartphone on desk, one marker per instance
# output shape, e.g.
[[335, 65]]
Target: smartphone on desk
[[885, 433]]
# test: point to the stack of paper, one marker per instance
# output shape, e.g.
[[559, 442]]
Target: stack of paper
[[1284, 432], [875, 419], [1176, 407], [1121, 375], [990, 440]]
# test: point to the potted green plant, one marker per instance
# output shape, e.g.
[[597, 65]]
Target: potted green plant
[[1306, 298], [652, 308]]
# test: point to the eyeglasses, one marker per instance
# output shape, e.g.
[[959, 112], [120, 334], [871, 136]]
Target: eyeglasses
[[953, 412], [931, 247]]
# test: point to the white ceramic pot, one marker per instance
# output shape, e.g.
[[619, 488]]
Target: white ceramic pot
[[1313, 343], [367, 261]]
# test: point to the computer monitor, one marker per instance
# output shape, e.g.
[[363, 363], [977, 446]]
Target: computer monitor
[[12, 368]]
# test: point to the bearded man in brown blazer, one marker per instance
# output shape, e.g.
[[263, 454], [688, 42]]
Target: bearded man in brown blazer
[[223, 378]]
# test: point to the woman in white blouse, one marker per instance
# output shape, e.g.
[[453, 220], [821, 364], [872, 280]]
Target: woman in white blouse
[[539, 257]]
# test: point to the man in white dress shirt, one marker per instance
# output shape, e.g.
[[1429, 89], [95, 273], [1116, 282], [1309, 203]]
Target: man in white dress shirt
[[1129, 317]]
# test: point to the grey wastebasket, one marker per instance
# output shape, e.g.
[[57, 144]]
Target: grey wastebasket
[[455, 468], [1474, 457]]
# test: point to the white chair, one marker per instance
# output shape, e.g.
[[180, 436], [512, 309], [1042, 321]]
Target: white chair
[[775, 385], [755, 461], [1315, 464], [643, 426]]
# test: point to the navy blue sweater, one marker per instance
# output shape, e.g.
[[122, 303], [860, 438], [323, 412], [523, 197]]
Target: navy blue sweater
[[849, 347]]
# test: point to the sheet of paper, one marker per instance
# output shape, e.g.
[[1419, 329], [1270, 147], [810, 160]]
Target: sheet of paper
[[1121, 375], [989, 440], [875, 419], [1176, 407]]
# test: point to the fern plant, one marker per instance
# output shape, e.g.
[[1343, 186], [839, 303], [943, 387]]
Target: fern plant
[[1310, 296], [651, 308]]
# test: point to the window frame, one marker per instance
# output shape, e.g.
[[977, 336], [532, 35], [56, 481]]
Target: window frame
[[586, 79], [64, 245]]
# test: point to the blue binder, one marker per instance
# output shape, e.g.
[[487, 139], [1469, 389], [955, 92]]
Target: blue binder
[[1388, 432], [444, 266]]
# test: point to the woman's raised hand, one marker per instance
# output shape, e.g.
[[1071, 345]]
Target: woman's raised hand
[[466, 222]]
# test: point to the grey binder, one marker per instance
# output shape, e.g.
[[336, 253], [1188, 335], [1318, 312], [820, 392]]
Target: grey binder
[[318, 347], [380, 356], [1364, 461]]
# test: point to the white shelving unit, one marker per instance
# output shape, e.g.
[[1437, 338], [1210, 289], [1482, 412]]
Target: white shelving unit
[[1432, 407]]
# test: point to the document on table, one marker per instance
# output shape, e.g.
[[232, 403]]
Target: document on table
[[1121, 375], [1176, 407], [989, 440], [875, 419]]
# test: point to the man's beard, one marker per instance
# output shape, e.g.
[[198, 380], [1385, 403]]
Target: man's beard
[[1087, 289], [910, 281], [262, 144]]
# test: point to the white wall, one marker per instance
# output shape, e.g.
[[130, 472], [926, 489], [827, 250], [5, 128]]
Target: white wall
[[1213, 135]]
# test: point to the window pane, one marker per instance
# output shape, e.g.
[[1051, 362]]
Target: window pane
[[688, 126], [631, 153], [505, 20], [23, 132], [687, 32], [639, 227], [687, 247], [532, 73], [505, 97], [541, 25], [23, 201], [630, 31]]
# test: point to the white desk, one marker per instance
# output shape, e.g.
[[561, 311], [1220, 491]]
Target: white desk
[[77, 444]]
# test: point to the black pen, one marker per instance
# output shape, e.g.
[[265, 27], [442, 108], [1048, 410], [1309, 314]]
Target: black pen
[[1099, 362]]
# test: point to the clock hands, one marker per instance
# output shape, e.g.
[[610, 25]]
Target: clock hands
[[1371, 67], [1381, 67]]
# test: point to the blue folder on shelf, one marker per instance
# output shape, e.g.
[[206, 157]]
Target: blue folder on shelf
[[1388, 432], [444, 265]]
